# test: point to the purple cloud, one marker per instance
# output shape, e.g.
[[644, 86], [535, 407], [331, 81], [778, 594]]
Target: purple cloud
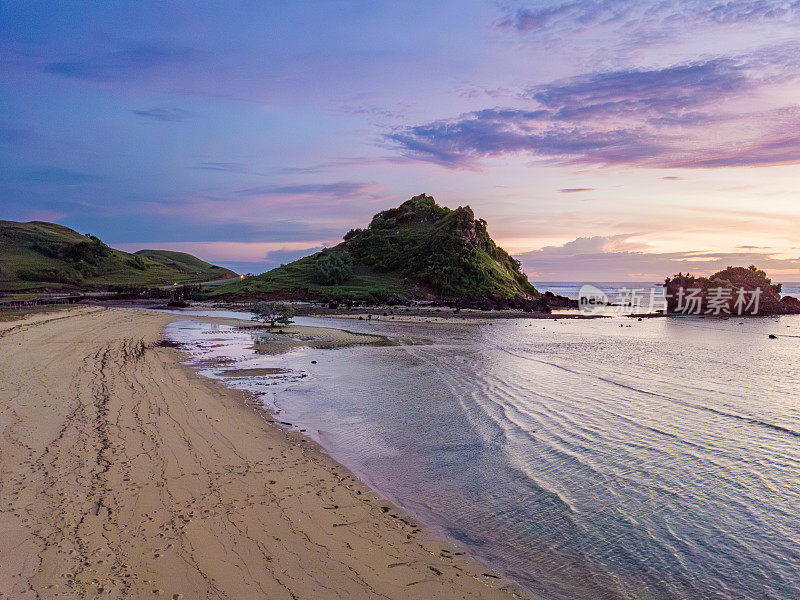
[[491, 133], [654, 118], [782, 149], [580, 14], [671, 90], [340, 189], [575, 190]]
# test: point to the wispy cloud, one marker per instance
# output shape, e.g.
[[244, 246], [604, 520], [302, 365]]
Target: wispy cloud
[[119, 63], [575, 190], [777, 149], [53, 175], [227, 167], [656, 118], [581, 14], [339, 189], [162, 114]]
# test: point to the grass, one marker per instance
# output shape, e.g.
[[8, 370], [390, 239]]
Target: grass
[[300, 276]]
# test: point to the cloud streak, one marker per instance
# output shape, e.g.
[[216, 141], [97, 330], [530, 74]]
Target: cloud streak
[[53, 175], [336, 190], [163, 114]]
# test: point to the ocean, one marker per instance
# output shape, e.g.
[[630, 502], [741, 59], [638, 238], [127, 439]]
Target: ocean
[[570, 289], [585, 459]]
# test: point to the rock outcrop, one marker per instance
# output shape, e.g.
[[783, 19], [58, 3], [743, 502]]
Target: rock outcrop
[[732, 291]]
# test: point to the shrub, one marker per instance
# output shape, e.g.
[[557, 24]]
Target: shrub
[[333, 267], [44, 249], [189, 292], [272, 313], [351, 233], [137, 263], [68, 276], [90, 252]]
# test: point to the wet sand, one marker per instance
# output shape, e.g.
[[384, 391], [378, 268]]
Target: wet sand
[[125, 475]]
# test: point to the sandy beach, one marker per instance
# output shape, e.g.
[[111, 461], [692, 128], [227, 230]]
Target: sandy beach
[[125, 475]]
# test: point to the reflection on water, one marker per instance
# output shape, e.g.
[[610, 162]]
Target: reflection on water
[[611, 458]]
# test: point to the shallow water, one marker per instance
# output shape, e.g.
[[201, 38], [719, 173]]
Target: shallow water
[[610, 458]]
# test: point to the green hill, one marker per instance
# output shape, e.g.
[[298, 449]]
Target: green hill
[[417, 250], [184, 263], [45, 256]]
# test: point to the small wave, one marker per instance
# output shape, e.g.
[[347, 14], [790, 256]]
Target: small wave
[[709, 409]]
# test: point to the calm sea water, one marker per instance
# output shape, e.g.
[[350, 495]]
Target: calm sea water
[[610, 458], [570, 289]]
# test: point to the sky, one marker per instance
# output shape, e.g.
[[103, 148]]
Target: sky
[[602, 140]]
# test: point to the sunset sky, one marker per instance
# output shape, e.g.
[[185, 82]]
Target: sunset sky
[[602, 140]]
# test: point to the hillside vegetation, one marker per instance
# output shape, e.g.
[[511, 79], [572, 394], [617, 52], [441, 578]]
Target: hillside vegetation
[[417, 250], [40, 256]]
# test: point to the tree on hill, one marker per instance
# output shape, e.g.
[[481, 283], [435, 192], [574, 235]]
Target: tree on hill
[[333, 267], [89, 252], [274, 313]]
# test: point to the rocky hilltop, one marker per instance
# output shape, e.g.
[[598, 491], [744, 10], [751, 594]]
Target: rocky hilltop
[[734, 291], [416, 251]]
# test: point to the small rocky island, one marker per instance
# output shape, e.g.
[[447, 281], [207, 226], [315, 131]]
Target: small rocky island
[[737, 291]]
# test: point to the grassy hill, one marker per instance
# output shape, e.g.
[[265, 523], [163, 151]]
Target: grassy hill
[[40, 256], [417, 250], [184, 263]]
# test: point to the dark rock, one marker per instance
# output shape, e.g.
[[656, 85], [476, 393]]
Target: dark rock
[[395, 300], [791, 305], [555, 301], [177, 304], [529, 304]]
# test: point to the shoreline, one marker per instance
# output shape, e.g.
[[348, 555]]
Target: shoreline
[[138, 477]]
